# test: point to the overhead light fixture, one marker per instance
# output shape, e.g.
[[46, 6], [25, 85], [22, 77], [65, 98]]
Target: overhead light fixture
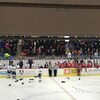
[[66, 36], [75, 36], [66, 40]]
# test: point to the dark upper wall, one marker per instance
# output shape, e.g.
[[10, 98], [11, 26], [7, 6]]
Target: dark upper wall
[[82, 2], [37, 20]]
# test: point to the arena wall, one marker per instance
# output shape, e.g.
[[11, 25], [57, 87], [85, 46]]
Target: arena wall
[[72, 20], [25, 72], [61, 72]]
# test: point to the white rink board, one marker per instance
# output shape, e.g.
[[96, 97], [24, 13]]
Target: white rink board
[[91, 71], [34, 72]]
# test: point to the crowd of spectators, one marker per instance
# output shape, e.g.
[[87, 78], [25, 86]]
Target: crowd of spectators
[[70, 49], [43, 47], [58, 48], [8, 47]]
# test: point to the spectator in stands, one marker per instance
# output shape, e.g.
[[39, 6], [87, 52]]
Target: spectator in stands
[[8, 46], [69, 55], [96, 54]]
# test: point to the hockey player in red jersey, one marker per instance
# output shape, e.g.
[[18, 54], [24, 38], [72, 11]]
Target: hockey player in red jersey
[[79, 70]]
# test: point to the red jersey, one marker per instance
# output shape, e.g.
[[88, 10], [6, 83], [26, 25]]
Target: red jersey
[[89, 65], [83, 65], [69, 65]]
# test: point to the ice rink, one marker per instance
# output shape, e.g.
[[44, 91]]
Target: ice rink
[[88, 88]]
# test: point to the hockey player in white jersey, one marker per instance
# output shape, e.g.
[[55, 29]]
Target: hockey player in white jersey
[[9, 70], [13, 71]]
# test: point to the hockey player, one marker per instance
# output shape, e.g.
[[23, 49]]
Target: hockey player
[[79, 69], [40, 74], [13, 70], [26, 65], [9, 70], [89, 64], [1, 65]]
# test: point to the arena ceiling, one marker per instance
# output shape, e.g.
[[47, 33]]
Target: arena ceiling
[[39, 17]]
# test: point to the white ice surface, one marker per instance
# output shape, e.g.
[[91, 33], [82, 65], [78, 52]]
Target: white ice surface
[[88, 88]]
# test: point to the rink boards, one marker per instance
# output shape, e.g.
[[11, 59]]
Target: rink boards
[[60, 72]]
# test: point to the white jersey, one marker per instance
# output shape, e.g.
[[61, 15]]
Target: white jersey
[[9, 68], [1, 65], [13, 68], [26, 65], [18, 66], [33, 65]]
